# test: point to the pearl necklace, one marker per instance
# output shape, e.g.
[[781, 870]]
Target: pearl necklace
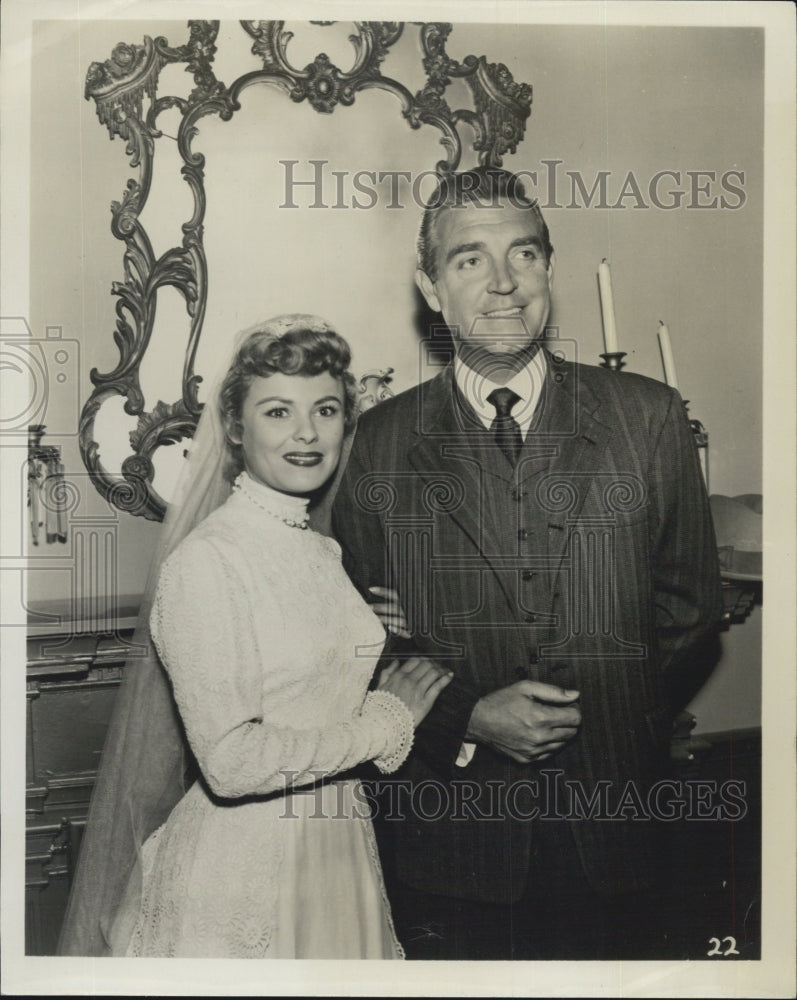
[[241, 484]]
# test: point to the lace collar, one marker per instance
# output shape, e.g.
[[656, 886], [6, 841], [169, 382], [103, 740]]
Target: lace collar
[[289, 509]]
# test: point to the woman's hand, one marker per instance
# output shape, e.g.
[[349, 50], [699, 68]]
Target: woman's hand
[[390, 612], [417, 682]]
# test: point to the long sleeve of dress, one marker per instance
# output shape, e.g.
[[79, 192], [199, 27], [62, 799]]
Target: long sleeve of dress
[[201, 625]]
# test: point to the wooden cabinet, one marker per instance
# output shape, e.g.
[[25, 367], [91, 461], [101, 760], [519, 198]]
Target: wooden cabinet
[[72, 681]]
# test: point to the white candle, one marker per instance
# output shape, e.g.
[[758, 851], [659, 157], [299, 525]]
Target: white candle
[[607, 308], [666, 356]]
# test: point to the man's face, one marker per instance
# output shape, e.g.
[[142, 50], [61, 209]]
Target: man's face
[[493, 283]]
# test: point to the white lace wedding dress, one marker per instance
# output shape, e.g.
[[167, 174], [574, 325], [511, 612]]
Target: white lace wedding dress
[[270, 650]]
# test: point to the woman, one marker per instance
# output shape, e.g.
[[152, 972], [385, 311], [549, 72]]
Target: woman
[[270, 651]]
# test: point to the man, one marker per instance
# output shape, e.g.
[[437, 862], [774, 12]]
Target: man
[[546, 527]]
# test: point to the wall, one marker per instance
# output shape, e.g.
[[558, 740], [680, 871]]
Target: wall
[[614, 99], [75, 174]]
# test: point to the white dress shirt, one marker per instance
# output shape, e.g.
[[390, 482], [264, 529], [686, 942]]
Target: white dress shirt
[[527, 384]]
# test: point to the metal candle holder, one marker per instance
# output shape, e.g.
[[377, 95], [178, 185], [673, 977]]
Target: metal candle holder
[[613, 360], [701, 441]]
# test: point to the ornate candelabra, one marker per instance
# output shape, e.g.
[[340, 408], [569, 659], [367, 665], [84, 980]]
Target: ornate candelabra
[[46, 498]]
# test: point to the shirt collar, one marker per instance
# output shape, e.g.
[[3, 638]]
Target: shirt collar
[[527, 384]]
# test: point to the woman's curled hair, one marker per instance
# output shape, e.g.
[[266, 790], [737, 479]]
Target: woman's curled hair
[[290, 345]]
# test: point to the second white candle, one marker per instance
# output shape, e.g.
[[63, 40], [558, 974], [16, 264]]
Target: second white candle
[[666, 356]]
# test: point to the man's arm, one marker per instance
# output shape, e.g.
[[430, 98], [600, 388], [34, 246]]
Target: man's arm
[[685, 565], [365, 558]]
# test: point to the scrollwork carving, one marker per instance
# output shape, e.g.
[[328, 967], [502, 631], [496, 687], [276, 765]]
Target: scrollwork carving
[[503, 107], [166, 424], [268, 42], [132, 494], [322, 83], [374, 387], [119, 85], [438, 67], [200, 50], [324, 87]]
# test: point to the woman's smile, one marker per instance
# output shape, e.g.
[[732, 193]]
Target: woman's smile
[[307, 458], [291, 430]]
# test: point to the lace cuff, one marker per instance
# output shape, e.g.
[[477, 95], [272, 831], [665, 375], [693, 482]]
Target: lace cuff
[[391, 712]]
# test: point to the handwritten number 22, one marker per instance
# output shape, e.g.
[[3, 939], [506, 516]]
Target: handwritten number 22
[[716, 946]]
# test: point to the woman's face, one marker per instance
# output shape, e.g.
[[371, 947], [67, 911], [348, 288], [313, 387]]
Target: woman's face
[[292, 430]]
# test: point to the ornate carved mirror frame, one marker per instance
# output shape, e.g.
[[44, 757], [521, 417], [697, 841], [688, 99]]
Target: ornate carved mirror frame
[[119, 87]]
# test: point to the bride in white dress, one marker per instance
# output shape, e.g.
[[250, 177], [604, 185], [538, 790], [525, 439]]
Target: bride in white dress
[[270, 651]]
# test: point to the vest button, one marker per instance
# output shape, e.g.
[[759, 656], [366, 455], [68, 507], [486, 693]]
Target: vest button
[[518, 494], [523, 534], [533, 658], [527, 574]]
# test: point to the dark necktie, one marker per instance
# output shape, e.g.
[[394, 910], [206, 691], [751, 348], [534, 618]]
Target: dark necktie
[[505, 428]]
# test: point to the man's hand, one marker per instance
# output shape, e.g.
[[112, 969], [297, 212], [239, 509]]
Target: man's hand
[[527, 721], [390, 612]]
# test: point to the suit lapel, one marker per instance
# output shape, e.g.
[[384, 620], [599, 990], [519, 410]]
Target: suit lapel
[[569, 435], [570, 422], [452, 447]]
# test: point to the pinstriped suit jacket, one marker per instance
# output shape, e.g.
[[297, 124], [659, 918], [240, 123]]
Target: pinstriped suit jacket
[[623, 531]]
